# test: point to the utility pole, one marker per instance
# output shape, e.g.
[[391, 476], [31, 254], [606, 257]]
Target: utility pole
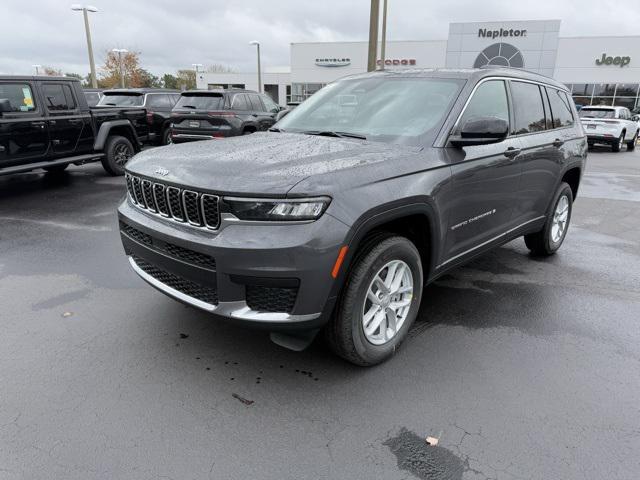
[[120, 51], [37, 67], [92, 64], [383, 45], [373, 35], [257, 44]]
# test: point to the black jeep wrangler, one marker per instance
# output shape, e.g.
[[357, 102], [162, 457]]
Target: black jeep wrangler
[[45, 122]]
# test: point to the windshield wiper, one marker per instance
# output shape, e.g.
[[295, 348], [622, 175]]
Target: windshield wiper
[[329, 133]]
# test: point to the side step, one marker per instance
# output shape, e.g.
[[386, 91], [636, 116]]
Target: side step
[[27, 167]]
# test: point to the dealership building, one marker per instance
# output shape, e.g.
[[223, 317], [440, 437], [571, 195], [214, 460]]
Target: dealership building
[[599, 70]]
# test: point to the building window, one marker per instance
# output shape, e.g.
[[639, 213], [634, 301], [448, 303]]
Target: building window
[[604, 89], [608, 101], [301, 91], [629, 102], [627, 90]]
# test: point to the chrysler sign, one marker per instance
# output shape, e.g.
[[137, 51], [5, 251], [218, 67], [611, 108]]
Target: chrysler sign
[[333, 62]]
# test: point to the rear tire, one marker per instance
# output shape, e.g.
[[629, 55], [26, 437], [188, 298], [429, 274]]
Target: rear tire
[[166, 137], [632, 144], [548, 240], [617, 145], [365, 332], [118, 150]]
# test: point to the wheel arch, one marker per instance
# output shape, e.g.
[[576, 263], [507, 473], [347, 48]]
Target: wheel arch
[[414, 218], [116, 127], [572, 176]]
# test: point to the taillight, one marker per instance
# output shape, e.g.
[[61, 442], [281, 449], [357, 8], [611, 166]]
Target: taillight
[[221, 114], [149, 117]]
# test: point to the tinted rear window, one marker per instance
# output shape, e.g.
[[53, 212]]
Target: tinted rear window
[[586, 112], [206, 101], [122, 100]]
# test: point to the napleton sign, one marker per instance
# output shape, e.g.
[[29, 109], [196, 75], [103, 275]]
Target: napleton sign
[[502, 32]]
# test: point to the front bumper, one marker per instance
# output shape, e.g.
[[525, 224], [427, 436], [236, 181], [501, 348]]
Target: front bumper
[[271, 275]]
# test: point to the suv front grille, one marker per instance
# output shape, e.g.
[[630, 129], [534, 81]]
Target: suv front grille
[[185, 206], [203, 293], [271, 299]]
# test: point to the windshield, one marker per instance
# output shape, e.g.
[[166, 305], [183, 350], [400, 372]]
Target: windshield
[[597, 113], [92, 98], [121, 100], [206, 101], [406, 110]]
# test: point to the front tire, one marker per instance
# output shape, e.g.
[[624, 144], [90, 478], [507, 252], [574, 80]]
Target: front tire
[[617, 145], [379, 302], [548, 240], [118, 150]]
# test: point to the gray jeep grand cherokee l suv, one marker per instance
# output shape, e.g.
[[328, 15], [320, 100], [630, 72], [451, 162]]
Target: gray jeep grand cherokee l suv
[[338, 216]]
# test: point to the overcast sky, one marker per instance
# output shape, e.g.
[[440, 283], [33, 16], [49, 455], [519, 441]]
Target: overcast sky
[[173, 34]]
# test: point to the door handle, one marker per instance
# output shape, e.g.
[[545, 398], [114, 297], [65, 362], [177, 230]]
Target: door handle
[[558, 143], [38, 124], [511, 152]]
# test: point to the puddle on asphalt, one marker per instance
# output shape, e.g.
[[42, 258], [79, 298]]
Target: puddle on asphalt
[[424, 461]]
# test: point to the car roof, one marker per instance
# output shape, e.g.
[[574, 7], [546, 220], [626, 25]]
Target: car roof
[[219, 91], [139, 91], [474, 74], [37, 77]]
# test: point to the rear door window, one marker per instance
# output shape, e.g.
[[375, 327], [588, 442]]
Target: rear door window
[[58, 97], [560, 108], [527, 108], [256, 103], [240, 102], [158, 100], [19, 95]]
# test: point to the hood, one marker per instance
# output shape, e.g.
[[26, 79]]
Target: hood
[[266, 163]]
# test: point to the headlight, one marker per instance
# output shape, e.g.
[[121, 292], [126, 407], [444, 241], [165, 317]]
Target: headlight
[[277, 210]]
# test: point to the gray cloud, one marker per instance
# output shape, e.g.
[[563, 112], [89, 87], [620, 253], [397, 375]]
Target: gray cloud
[[172, 34]]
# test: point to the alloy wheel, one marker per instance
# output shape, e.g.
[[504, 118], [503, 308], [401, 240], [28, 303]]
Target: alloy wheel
[[560, 217], [387, 303], [122, 154]]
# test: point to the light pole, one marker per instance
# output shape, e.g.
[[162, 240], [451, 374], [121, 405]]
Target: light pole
[[120, 51], [92, 64], [37, 67], [383, 44], [195, 67], [373, 35], [257, 44]]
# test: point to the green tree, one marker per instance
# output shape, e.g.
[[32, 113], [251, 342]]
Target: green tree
[[170, 81], [186, 79]]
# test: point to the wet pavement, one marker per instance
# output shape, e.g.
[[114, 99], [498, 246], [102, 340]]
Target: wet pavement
[[521, 367]]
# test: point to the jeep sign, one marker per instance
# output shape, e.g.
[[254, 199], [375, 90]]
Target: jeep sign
[[620, 61]]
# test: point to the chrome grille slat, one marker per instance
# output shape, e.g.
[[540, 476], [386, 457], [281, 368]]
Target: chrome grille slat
[[147, 193], [198, 209], [190, 202], [160, 196], [174, 197]]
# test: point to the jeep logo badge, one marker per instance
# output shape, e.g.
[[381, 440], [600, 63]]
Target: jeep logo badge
[[162, 171], [609, 60]]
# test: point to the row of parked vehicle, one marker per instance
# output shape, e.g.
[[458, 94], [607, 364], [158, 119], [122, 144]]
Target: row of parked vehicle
[[175, 116], [51, 122]]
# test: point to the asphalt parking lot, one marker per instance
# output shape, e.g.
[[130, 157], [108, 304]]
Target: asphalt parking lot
[[521, 367]]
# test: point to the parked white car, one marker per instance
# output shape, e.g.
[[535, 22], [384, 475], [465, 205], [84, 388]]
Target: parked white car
[[610, 125]]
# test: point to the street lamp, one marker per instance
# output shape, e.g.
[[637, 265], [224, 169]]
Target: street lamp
[[84, 9], [120, 51], [257, 44], [195, 67], [37, 67]]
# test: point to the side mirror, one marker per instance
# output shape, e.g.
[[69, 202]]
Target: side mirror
[[481, 131], [281, 114], [635, 118], [5, 105]]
